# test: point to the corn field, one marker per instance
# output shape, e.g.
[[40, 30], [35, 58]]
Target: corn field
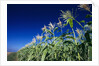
[[75, 45]]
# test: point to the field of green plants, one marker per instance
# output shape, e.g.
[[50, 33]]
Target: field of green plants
[[75, 45]]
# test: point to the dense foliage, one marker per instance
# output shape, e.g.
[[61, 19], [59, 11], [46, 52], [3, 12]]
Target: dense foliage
[[67, 46]]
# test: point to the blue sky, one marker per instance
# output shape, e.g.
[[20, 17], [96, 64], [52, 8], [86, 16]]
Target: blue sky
[[26, 20]]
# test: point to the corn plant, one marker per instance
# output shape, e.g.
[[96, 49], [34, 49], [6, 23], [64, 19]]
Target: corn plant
[[65, 47]]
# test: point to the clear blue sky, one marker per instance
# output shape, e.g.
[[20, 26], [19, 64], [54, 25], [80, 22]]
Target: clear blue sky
[[26, 20]]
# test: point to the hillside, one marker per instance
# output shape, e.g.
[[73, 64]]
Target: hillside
[[11, 56]]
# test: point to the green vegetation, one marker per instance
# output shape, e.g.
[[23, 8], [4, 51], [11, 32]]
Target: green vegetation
[[67, 46]]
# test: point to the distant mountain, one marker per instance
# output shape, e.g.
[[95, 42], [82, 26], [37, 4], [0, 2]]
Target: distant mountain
[[11, 50]]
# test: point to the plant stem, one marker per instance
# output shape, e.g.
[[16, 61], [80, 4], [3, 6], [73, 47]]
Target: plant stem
[[54, 35], [74, 36], [76, 43]]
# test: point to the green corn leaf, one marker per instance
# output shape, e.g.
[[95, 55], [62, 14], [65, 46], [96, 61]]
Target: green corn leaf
[[67, 41], [67, 49], [69, 58], [79, 56], [89, 23], [44, 55], [90, 53], [88, 16], [57, 43], [46, 38], [87, 36], [55, 29], [62, 11], [83, 21], [65, 24], [64, 54], [63, 35], [49, 31], [70, 21], [42, 49], [70, 47], [71, 37]]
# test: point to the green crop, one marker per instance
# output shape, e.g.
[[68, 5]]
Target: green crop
[[65, 47]]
